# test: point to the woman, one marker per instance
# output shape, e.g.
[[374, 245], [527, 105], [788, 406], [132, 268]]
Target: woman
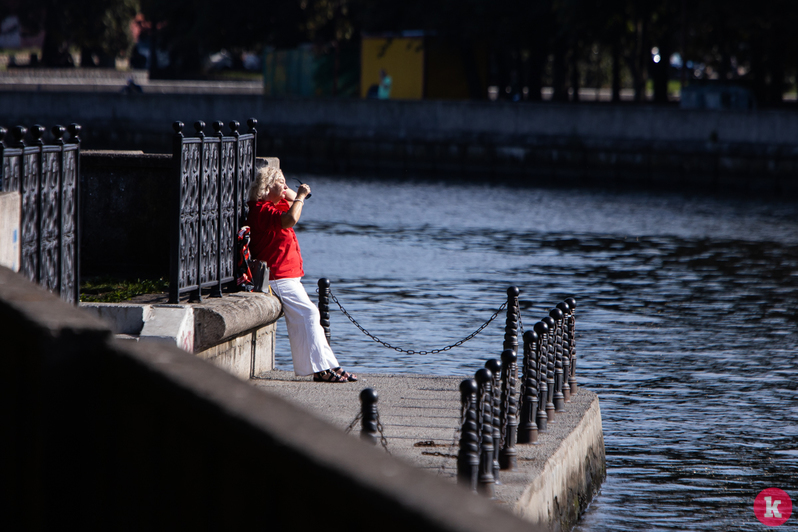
[[274, 209]]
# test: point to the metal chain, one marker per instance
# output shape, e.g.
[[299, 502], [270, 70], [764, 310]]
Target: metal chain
[[522, 390], [505, 409], [358, 417], [383, 441], [410, 351]]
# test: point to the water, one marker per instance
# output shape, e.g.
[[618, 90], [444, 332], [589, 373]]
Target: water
[[686, 322]]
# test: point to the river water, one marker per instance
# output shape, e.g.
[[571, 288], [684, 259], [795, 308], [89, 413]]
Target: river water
[[686, 321]]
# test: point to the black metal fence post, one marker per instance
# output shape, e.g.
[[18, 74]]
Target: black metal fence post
[[527, 427], [196, 295], [572, 346], [541, 362], [508, 455], [559, 399], [368, 405], [495, 367], [549, 345], [468, 456], [72, 237], [324, 307], [486, 483], [566, 351], [511, 325]]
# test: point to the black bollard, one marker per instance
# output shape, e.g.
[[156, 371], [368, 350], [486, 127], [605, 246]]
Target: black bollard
[[527, 427], [566, 351], [511, 325], [468, 457], [559, 399], [368, 407], [324, 306], [572, 335], [543, 391], [508, 455], [549, 345], [486, 482], [495, 367]]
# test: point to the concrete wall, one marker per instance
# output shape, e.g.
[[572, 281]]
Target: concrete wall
[[562, 144], [131, 118], [234, 332], [104, 435], [125, 205]]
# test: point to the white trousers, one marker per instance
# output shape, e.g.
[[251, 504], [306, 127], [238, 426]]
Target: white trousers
[[309, 349]]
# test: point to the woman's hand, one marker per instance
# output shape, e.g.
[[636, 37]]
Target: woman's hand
[[303, 191]]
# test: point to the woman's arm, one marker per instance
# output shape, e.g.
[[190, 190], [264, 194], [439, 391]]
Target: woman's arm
[[290, 218]]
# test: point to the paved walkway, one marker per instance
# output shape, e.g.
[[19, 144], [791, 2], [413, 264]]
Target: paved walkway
[[420, 415]]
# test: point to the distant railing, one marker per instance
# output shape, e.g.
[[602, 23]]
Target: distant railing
[[491, 421], [46, 176], [210, 204]]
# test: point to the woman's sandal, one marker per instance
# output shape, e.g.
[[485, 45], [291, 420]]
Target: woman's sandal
[[328, 376], [351, 377]]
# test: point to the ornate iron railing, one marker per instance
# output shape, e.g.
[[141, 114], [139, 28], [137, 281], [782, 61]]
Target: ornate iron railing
[[210, 204], [47, 178]]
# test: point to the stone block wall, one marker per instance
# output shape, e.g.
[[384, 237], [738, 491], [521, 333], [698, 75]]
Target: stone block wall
[[104, 435]]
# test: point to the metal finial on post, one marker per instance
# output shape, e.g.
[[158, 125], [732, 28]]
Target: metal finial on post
[[549, 351], [74, 133], [571, 321], [511, 325], [527, 427], [324, 307], [18, 132], [368, 406], [37, 132], [468, 456], [508, 455], [559, 399], [486, 482], [566, 351], [58, 133], [540, 363], [495, 367]]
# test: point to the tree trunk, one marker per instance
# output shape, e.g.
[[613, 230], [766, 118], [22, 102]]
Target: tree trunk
[[575, 72], [616, 71], [660, 75], [475, 91], [560, 72]]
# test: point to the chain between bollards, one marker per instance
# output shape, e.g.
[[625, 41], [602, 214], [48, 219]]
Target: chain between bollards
[[410, 351]]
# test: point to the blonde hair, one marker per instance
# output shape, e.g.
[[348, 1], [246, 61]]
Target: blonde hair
[[264, 179]]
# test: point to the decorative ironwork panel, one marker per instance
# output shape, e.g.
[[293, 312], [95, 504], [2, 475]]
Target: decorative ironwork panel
[[189, 213], [246, 168], [209, 221], [29, 188], [227, 219], [11, 170], [50, 207], [69, 224]]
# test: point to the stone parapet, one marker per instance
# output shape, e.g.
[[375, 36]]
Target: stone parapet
[[234, 332], [105, 434]]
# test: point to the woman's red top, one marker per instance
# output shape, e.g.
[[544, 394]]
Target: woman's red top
[[269, 242]]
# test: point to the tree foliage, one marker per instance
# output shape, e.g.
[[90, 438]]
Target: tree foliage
[[530, 42]]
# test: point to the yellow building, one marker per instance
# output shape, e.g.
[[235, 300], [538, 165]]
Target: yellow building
[[421, 66]]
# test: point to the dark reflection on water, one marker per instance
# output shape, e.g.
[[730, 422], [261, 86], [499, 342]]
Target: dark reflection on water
[[686, 322]]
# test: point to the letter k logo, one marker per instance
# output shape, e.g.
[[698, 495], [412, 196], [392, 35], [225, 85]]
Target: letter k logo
[[771, 508]]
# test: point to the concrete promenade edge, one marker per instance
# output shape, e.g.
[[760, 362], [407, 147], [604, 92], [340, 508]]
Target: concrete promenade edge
[[556, 477]]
